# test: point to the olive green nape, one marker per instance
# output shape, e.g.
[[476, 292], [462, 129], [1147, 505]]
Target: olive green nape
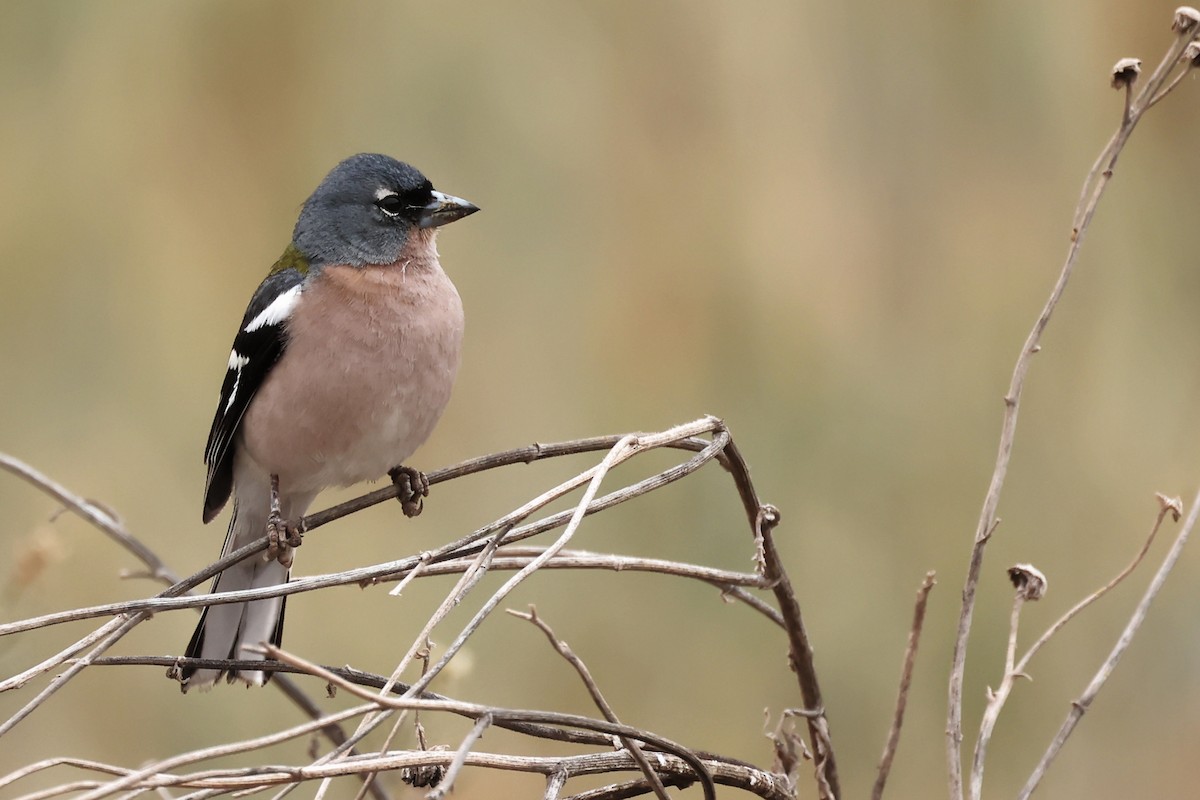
[[292, 258]]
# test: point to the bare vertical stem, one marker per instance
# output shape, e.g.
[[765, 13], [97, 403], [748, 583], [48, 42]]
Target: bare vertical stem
[[763, 520], [996, 700], [910, 657], [1093, 189]]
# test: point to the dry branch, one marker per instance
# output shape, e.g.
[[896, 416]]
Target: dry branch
[[495, 546], [1177, 59], [662, 763], [1078, 707], [585, 675], [906, 673]]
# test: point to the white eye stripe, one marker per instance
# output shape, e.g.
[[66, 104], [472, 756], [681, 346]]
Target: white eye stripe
[[387, 201], [279, 310]]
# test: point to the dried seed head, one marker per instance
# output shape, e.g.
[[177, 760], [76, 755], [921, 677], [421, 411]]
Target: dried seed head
[[1191, 53], [423, 776], [1028, 580], [1186, 19], [1172, 504], [1125, 72]]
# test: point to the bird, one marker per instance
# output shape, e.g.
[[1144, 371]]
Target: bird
[[342, 366]]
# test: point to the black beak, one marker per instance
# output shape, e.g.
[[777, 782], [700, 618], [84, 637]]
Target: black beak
[[445, 208]]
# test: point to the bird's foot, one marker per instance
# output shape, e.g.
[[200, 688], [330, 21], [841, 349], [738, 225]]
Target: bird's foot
[[413, 486], [282, 536]]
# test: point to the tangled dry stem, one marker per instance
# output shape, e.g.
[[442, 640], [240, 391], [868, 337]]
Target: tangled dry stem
[[495, 547]]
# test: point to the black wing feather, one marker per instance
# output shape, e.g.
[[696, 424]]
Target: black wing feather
[[256, 352]]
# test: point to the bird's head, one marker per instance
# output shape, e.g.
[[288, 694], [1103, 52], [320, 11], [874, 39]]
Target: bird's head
[[367, 208]]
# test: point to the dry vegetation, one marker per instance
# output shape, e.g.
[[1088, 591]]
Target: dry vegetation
[[798, 758]]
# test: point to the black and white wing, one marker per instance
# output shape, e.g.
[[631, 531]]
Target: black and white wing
[[258, 345]]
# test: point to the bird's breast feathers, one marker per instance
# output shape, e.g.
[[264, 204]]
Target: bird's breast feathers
[[370, 361]]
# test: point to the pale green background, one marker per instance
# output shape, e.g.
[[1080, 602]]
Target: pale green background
[[829, 223]]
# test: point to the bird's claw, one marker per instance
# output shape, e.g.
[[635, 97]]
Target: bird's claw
[[413, 486], [282, 536]]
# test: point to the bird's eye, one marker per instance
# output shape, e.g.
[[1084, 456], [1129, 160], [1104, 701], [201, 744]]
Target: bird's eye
[[390, 203]]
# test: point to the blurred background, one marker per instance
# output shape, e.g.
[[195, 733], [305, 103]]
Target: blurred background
[[830, 224]]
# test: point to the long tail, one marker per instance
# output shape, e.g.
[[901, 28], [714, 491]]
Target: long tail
[[227, 630]]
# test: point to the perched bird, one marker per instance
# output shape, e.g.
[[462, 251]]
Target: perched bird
[[343, 364]]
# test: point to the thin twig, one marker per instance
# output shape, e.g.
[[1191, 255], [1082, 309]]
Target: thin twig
[[996, 699], [419, 649], [101, 518], [1014, 669], [474, 466], [1078, 707], [910, 658], [460, 757], [526, 560], [1093, 189], [1166, 506], [218, 781], [554, 785], [593, 689], [625, 449], [99, 640], [365, 679], [332, 731], [107, 522], [115, 630], [467, 545], [763, 519], [475, 711], [318, 519], [622, 450], [516, 558], [51, 763], [513, 557], [134, 778], [623, 791], [724, 771]]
